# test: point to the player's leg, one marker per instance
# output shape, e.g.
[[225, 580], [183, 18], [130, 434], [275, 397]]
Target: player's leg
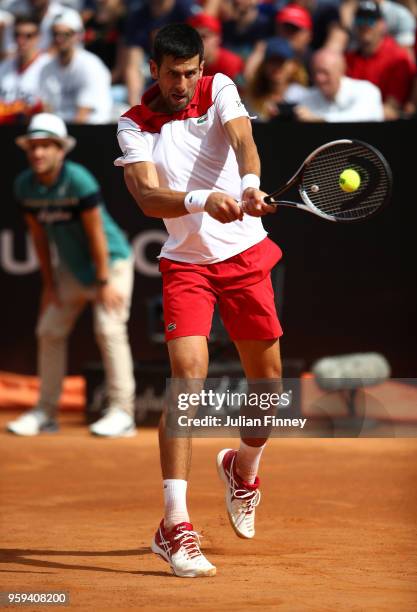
[[189, 364], [110, 328], [54, 325], [175, 540], [188, 303], [250, 317], [261, 361]]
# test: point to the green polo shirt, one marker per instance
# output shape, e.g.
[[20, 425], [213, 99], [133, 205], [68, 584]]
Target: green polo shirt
[[58, 208]]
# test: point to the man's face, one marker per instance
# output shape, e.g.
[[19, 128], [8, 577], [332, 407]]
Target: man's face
[[27, 37], [211, 42], [177, 79], [368, 34], [299, 38], [327, 75], [279, 72], [44, 155], [64, 38]]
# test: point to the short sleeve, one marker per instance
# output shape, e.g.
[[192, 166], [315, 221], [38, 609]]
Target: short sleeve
[[85, 187], [226, 99], [136, 145], [83, 181]]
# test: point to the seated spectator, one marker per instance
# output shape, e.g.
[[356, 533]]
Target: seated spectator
[[336, 97], [20, 75], [400, 24], [246, 26], [216, 58], [379, 59], [45, 11], [294, 24], [75, 84], [276, 84], [141, 27]]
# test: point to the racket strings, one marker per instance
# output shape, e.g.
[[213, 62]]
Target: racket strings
[[320, 182]]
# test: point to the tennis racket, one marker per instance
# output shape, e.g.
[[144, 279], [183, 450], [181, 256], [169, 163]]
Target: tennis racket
[[317, 181]]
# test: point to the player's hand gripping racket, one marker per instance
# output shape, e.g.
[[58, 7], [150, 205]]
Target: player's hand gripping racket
[[321, 193]]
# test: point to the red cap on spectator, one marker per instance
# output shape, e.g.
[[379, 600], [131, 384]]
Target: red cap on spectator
[[295, 15], [202, 20]]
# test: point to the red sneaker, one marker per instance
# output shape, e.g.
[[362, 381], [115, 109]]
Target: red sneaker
[[241, 497], [180, 547]]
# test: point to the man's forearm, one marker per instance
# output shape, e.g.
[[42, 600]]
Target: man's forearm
[[43, 252], [44, 256], [153, 200], [97, 242]]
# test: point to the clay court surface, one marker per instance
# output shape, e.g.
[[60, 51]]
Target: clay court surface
[[336, 528]]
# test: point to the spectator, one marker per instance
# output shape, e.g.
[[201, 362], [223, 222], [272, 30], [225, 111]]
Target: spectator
[[141, 28], [379, 59], [45, 11], [400, 24], [294, 23], [216, 57], [276, 85], [75, 84], [336, 97], [246, 27], [20, 75]]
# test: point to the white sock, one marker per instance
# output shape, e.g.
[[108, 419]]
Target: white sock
[[175, 502], [247, 461]]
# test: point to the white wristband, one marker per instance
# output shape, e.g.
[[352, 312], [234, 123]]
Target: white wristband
[[195, 201], [249, 180]]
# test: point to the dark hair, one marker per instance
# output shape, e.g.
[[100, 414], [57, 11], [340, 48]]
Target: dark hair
[[20, 19], [179, 40]]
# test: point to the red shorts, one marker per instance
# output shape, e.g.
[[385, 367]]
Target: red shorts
[[241, 285]]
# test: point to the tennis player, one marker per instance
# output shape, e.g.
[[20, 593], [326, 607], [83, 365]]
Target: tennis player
[[188, 158]]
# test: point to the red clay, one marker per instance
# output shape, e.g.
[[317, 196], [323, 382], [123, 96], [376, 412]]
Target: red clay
[[336, 528]]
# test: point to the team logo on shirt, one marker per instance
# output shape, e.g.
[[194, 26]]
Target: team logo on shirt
[[171, 327], [202, 119]]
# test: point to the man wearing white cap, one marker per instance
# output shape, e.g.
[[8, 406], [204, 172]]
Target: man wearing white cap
[[63, 208], [75, 84]]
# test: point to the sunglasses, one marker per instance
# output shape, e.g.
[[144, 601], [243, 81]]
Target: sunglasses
[[62, 34], [365, 21]]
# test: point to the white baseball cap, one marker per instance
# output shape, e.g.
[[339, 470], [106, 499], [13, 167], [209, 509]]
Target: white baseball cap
[[69, 18], [46, 125]]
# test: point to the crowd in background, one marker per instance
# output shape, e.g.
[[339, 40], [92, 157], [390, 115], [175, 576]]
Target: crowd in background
[[302, 60]]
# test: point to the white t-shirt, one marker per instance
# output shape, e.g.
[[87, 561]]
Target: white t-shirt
[[84, 82], [191, 150], [21, 85], [356, 100]]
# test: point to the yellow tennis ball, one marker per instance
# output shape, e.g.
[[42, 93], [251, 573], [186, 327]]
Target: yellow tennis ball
[[349, 180]]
